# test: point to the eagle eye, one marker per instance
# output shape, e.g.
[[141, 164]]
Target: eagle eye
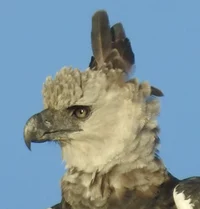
[[81, 112]]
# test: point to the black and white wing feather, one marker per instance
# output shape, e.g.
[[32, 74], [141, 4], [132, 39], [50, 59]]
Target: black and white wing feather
[[187, 194]]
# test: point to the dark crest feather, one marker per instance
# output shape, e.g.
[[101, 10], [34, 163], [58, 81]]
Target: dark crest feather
[[101, 37], [122, 44], [156, 92], [110, 45]]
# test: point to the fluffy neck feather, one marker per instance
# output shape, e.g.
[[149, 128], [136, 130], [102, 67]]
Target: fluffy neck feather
[[137, 171], [117, 187]]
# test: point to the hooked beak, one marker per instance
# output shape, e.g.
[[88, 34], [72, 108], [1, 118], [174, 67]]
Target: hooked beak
[[34, 130], [49, 125]]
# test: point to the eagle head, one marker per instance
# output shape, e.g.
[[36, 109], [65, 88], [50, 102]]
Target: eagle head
[[99, 118]]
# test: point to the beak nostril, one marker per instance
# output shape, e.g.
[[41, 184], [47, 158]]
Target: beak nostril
[[47, 123]]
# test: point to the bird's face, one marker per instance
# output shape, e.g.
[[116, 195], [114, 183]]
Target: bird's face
[[52, 124], [95, 120]]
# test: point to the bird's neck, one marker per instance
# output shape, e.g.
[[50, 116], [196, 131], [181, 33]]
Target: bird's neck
[[98, 189], [100, 174]]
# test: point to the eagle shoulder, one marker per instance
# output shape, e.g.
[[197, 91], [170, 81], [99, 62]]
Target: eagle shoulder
[[187, 193]]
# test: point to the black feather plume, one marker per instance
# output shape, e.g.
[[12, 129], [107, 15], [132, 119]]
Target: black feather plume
[[110, 45], [101, 37]]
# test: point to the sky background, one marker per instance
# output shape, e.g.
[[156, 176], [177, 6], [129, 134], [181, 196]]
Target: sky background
[[37, 38]]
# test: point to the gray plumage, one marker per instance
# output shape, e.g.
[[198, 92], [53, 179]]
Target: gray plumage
[[106, 125]]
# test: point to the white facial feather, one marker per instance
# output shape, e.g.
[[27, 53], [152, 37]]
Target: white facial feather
[[114, 132], [103, 137], [120, 128]]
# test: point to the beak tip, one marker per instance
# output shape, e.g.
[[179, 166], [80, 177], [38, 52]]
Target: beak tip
[[28, 144]]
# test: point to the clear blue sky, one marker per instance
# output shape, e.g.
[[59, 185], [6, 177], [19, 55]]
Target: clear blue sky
[[38, 37]]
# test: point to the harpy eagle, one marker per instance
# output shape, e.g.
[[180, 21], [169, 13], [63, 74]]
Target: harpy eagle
[[106, 126]]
